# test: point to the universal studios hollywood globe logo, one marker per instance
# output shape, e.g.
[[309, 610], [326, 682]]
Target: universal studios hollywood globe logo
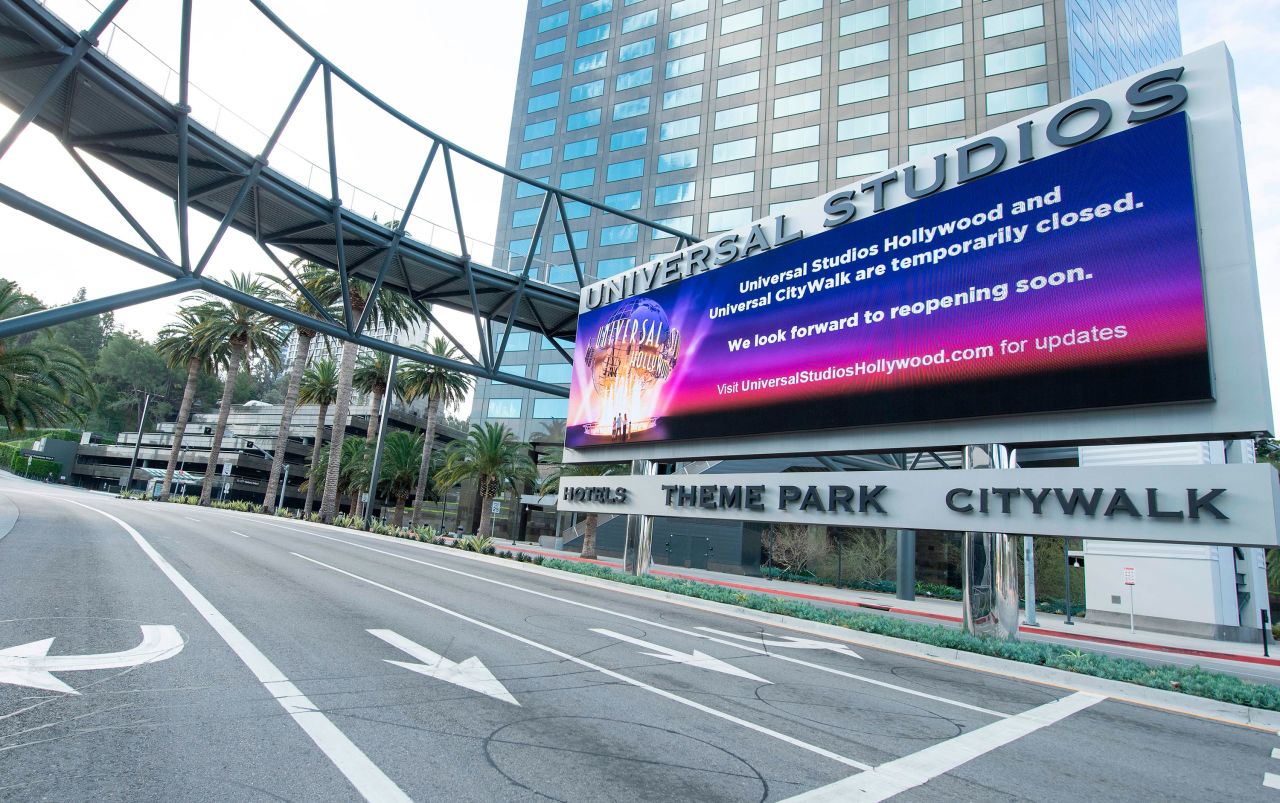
[[631, 358]]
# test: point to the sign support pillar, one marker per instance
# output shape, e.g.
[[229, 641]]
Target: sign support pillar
[[637, 554], [990, 564], [906, 564]]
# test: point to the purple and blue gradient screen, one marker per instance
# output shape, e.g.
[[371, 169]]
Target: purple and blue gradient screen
[[1104, 312]]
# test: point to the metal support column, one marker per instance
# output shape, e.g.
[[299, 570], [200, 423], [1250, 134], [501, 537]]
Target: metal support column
[[137, 444], [382, 430], [906, 564], [637, 554], [990, 564], [1029, 578]]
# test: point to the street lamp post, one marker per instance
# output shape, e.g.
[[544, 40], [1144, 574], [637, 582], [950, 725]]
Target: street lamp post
[[284, 483]]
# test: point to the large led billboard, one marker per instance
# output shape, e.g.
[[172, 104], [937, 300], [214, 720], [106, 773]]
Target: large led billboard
[[1070, 282]]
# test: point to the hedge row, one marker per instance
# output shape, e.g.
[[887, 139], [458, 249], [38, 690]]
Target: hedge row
[[13, 460]]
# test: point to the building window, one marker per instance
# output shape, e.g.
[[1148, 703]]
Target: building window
[[1011, 21], [686, 7], [866, 126], [740, 115], [864, 54], [524, 190], [633, 79], [628, 139], [553, 21], [739, 52], [546, 3], [625, 201], [944, 111], [592, 62], [675, 129], [1018, 98], [687, 36], [644, 19], [579, 149], [619, 171], [521, 247], [549, 47], [922, 149], [555, 373], [864, 21], [678, 160], [799, 37], [574, 210], [524, 217], [797, 70], [797, 104], [519, 341], [560, 243], [577, 178], [862, 164], [1019, 58], [689, 64], [935, 39], [504, 408], [513, 370], [923, 8], [561, 274], [612, 267], [683, 223], [592, 89], [619, 235], [795, 138], [589, 36], [683, 96], [790, 175], [537, 158], [538, 103], [864, 90], [740, 22], [546, 75], [728, 219], [637, 50], [539, 130], [737, 84], [580, 120], [733, 149], [790, 8], [630, 108], [673, 193], [951, 72], [733, 184], [551, 409], [567, 345], [595, 8]]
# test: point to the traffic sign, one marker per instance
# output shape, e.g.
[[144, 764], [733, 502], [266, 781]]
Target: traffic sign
[[1128, 576]]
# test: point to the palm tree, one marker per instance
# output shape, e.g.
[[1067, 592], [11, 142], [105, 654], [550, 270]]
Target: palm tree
[[353, 470], [182, 347], [398, 473], [42, 383], [319, 386], [247, 333], [442, 387], [371, 378], [551, 485], [392, 311], [493, 457], [310, 276]]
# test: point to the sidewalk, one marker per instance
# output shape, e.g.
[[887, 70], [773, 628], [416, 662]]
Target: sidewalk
[[1049, 625]]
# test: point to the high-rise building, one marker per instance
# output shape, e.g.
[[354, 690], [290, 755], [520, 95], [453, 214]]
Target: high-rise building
[[708, 114]]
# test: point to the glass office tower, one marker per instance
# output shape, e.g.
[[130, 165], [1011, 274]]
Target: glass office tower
[[707, 114]]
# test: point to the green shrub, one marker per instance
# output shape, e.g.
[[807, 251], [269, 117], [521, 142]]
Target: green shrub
[[477, 543]]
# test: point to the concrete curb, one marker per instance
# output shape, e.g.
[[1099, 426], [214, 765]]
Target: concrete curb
[[8, 515], [1175, 702]]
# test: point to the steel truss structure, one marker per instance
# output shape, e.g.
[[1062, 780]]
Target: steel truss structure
[[61, 81]]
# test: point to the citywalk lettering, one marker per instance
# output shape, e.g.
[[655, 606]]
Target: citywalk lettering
[[1108, 502]]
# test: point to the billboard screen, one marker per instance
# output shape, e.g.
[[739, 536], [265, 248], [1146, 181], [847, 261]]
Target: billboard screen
[[1070, 282]]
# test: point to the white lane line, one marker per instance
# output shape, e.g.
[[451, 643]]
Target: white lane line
[[188, 518], [1275, 752], [609, 672], [789, 659], [908, 772], [364, 775], [1271, 780], [242, 535]]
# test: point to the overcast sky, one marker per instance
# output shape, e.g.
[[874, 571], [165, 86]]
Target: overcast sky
[[452, 67]]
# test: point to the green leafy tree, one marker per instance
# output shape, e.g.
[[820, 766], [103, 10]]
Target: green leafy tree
[[353, 470], [398, 473], [86, 335], [371, 378], [441, 387], [494, 458], [319, 386], [246, 333], [42, 383], [182, 348], [126, 365]]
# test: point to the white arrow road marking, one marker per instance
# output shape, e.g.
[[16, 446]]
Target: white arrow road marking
[[788, 642], [470, 674], [695, 658], [30, 664]]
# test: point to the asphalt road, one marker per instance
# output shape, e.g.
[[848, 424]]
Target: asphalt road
[[199, 654]]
